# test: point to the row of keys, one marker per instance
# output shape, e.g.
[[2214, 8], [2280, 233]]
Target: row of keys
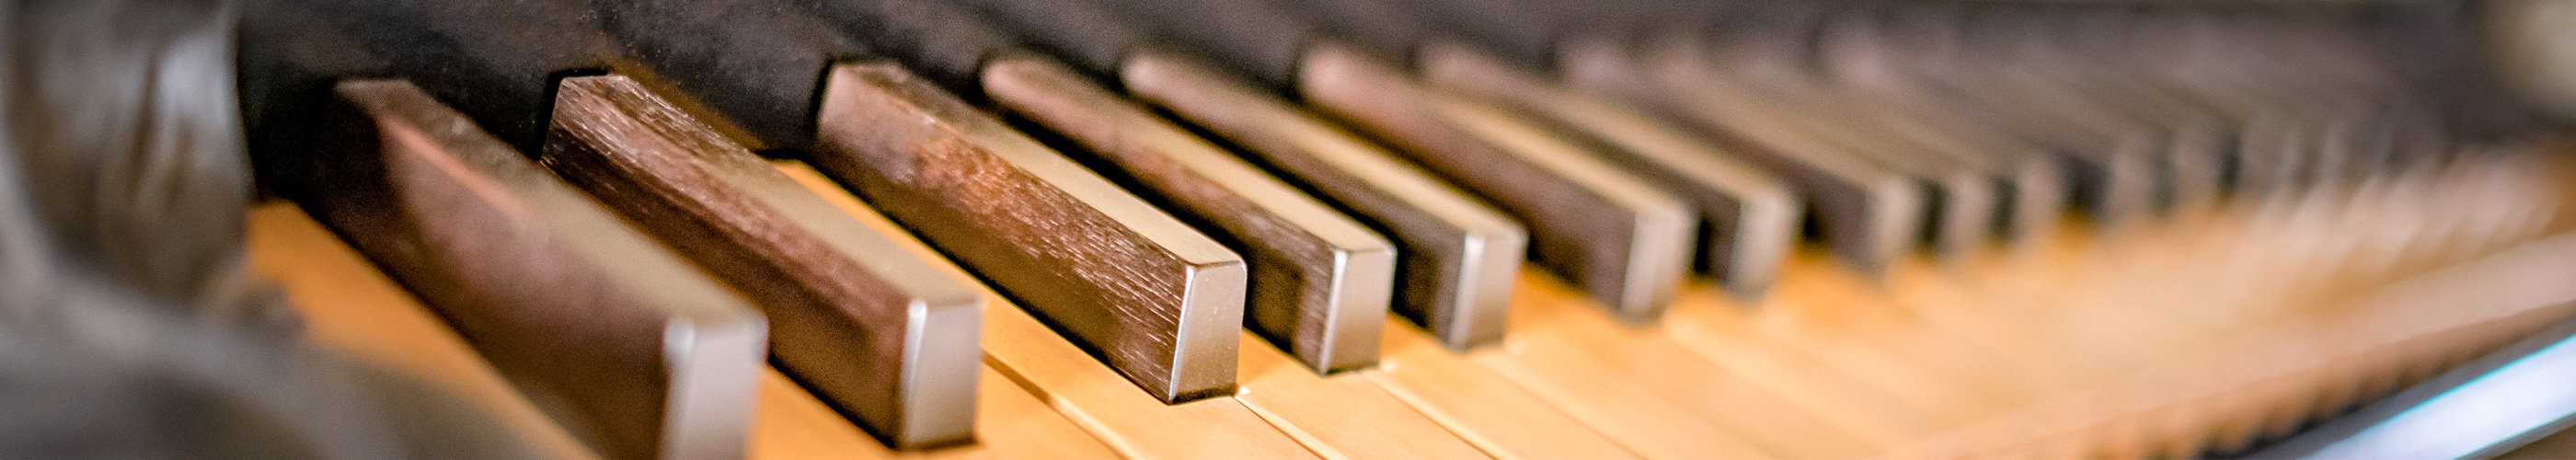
[[1148, 230]]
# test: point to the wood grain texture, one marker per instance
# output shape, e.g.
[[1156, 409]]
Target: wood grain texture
[[1482, 407], [1870, 214], [1320, 282], [1130, 421], [1459, 256], [1625, 242], [869, 327], [645, 355], [1134, 286], [2166, 373], [353, 310], [1749, 219]]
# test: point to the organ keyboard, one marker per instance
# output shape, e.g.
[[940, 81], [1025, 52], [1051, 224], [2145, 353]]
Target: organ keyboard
[[1281, 229]]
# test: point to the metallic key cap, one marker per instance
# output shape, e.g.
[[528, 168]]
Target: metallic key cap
[[1460, 257], [1320, 281], [870, 328], [649, 356], [1136, 287]]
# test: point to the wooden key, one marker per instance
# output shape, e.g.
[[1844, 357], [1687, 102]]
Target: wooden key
[[870, 327], [1553, 335], [359, 313], [1340, 416], [1320, 282], [1749, 219], [1962, 202], [649, 357], [352, 309], [1625, 242], [1009, 424], [1136, 287], [1485, 408], [1133, 423], [1459, 256], [1867, 213]]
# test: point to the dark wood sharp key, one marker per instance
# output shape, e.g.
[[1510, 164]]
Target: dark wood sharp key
[[1459, 258], [1154, 298], [1158, 301], [1626, 243], [1749, 220], [873, 330], [1868, 213], [649, 356], [1320, 281]]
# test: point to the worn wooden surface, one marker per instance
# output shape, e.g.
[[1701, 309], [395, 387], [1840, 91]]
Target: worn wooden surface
[[546, 284], [1458, 256], [1129, 282], [1615, 235], [870, 327], [2194, 331], [1320, 282]]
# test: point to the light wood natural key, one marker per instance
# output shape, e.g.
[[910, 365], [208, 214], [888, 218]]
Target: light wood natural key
[[1459, 258], [1320, 282], [1749, 220]]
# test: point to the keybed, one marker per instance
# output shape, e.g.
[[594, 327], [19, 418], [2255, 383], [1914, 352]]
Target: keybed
[[1257, 229]]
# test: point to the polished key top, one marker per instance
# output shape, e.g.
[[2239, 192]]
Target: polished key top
[[1134, 286], [1460, 257], [649, 357], [871, 328], [1320, 281]]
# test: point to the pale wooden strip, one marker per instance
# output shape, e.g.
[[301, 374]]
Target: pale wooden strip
[[1717, 328], [1601, 392], [1548, 324], [1346, 413], [1485, 408], [1009, 424]]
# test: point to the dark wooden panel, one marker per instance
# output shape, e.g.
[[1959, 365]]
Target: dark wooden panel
[[1154, 298], [647, 355], [872, 329]]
